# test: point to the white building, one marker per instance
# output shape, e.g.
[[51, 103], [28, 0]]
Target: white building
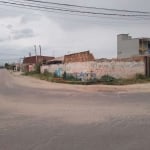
[[130, 47]]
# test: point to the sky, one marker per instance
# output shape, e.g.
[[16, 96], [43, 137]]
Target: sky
[[60, 34]]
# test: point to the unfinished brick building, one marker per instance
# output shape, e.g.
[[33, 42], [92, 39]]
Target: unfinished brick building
[[79, 57], [30, 62]]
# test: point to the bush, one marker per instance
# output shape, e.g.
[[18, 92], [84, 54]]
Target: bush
[[46, 73], [64, 75], [37, 68], [71, 77], [55, 75], [140, 76], [107, 79], [29, 73]]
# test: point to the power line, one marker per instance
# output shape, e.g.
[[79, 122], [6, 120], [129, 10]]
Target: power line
[[79, 6], [136, 17], [72, 11], [82, 15], [104, 19]]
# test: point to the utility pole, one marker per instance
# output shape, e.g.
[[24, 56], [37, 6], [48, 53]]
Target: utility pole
[[40, 50], [35, 53], [41, 57], [29, 54], [20, 64]]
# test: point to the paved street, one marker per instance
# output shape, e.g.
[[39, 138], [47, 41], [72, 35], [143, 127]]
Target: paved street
[[36, 115]]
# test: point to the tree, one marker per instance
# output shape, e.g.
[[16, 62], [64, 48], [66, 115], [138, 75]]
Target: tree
[[7, 66]]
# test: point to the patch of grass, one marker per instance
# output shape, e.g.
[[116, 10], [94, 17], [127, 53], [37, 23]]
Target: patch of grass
[[140, 76], [45, 76], [29, 73], [134, 80], [107, 79], [61, 80]]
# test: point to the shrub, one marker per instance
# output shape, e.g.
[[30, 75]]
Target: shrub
[[55, 75], [140, 76], [107, 79], [29, 73], [64, 75], [37, 68], [46, 72], [70, 77]]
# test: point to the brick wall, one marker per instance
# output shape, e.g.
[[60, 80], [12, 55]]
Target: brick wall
[[32, 59], [79, 57]]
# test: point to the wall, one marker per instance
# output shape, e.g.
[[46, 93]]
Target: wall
[[79, 57], [58, 69], [32, 59], [28, 68], [96, 69], [127, 47]]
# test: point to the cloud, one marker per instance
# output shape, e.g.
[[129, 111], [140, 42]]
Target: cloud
[[59, 33], [9, 26], [30, 18], [24, 33], [4, 39]]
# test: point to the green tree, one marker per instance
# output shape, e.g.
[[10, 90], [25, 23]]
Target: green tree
[[7, 66]]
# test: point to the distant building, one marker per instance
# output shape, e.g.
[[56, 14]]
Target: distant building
[[130, 47], [30, 62]]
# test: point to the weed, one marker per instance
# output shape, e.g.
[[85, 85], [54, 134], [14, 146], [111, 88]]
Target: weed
[[140, 76], [107, 79]]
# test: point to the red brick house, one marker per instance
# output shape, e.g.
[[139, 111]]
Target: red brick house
[[30, 62]]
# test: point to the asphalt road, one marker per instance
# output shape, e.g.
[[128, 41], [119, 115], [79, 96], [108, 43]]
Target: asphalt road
[[61, 119]]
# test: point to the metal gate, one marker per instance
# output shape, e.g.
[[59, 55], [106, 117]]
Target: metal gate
[[147, 66]]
